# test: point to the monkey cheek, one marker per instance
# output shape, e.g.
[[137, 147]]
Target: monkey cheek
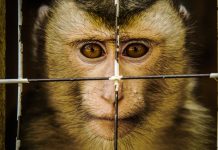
[[105, 128]]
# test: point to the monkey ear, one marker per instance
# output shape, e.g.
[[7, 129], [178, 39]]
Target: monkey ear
[[42, 15], [184, 12], [43, 12], [38, 29]]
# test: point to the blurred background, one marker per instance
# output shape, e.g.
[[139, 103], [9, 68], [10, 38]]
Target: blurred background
[[204, 19]]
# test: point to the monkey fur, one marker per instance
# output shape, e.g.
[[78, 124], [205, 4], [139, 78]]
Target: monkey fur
[[153, 114]]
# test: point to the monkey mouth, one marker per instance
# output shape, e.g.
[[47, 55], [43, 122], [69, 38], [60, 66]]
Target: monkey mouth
[[131, 118], [104, 127]]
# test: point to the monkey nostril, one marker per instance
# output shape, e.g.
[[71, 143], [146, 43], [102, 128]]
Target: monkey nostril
[[107, 99], [111, 97], [120, 96]]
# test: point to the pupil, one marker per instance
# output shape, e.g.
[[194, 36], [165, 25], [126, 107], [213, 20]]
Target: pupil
[[92, 49], [135, 49]]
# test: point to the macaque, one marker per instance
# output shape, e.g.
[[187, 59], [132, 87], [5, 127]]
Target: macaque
[[76, 38]]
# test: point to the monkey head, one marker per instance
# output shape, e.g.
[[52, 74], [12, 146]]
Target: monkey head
[[79, 41]]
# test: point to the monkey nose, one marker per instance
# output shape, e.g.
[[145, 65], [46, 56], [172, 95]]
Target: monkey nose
[[108, 93]]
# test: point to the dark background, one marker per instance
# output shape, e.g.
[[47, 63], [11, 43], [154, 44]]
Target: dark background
[[202, 11]]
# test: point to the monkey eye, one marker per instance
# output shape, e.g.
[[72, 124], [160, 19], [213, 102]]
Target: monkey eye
[[135, 50], [92, 50]]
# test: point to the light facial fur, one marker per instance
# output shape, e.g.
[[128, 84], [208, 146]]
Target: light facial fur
[[153, 114]]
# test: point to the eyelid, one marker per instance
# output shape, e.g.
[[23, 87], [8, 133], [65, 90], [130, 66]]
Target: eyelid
[[80, 44]]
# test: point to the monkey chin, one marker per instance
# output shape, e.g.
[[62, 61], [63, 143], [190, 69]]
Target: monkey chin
[[104, 128]]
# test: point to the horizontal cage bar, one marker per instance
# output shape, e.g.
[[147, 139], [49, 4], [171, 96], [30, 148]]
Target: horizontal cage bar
[[17, 81]]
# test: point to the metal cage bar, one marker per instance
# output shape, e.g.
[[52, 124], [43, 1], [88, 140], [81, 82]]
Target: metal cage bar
[[20, 73], [28, 81], [116, 77]]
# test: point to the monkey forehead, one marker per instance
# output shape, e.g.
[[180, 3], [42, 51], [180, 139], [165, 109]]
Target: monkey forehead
[[126, 8], [159, 21]]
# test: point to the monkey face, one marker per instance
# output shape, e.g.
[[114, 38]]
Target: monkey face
[[82, 45]]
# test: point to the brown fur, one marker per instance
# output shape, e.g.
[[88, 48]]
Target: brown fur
[[167, 116]]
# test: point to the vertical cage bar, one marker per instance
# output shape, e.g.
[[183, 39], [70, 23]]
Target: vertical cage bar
[[116, 122], [20, 74], [116, 74]]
